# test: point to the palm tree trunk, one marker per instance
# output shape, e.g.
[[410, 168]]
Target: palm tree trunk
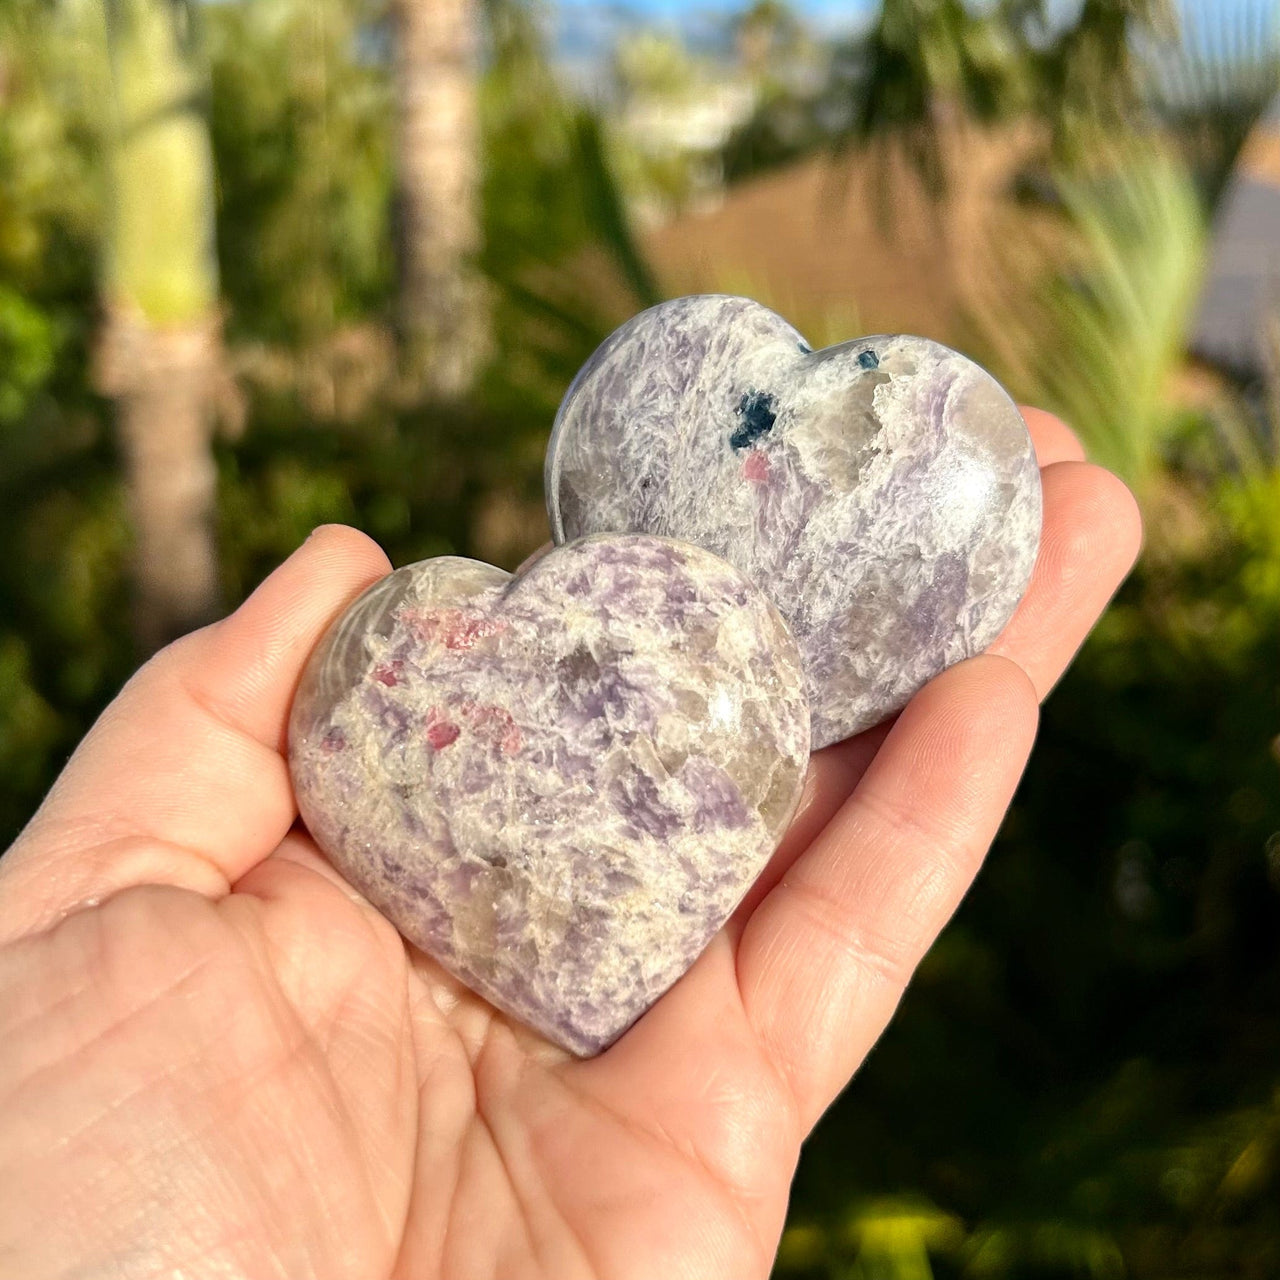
[[160, 342], [443, 314], [161, 382]]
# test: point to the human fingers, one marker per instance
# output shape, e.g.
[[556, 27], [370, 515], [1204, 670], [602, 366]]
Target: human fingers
[[826, 956], [1092, 536], [183, 779], [1054, 441]]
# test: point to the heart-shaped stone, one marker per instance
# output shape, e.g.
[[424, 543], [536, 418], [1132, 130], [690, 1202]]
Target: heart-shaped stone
[[560, 784], [884, 492]]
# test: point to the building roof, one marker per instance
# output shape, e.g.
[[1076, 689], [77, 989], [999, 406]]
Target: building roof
[[852, 246], [1242, 287]]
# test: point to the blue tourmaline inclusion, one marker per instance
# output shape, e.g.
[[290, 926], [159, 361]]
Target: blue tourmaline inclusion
[[758, 416]]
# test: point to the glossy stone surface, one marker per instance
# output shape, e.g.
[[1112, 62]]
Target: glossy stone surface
[[884, 492], [560, 784]]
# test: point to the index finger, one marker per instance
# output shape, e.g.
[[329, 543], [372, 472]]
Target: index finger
[[183, 780], [1054, 441]]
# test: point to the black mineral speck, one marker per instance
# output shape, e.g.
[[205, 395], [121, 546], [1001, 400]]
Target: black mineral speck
[[758, 416]]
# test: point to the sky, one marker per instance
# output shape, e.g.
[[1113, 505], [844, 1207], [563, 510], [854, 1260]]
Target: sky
[[673, 8], [840, 13], [586, 30], [832, 15], [584, 27]]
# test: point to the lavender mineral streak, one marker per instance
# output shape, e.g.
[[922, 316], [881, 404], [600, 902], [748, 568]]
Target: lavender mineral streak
[[884, 492], [561, 784]]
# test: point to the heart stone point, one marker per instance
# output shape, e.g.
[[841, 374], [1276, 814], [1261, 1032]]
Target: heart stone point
[[559, 784], [884, 492]]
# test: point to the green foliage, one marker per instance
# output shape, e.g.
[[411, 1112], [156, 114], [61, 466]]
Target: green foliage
[[301, 131], [28, 344], [29, 730], [654, 63], [1102, 337], [52, 77], [924, 62], [1247, 487], [610, 218], [1102, 68], [60, 519], [804, 91], [884, 1238], [552, 201], [1092, 73]]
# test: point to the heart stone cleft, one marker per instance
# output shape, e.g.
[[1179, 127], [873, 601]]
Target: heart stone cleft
[[559, 785]]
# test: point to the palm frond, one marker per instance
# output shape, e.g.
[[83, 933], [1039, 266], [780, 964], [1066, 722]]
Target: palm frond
[[609, 214], [1102, 337], [925, 64]]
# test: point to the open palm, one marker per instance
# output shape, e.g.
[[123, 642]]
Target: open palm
[[217, 1060]]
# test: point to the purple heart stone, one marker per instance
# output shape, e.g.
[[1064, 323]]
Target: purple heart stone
[[559, 784], [884, 492]]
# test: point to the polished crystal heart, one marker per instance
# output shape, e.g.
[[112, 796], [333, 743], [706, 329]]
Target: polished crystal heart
[[884, 492], [560, 784]]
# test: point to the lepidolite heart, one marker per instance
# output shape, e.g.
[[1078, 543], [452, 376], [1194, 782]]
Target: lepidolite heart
[[883, 492], [560, 784]]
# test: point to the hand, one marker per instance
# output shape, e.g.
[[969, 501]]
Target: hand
[[217, 1060]]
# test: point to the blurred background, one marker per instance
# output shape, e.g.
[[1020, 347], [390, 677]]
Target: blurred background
[[269, 263]]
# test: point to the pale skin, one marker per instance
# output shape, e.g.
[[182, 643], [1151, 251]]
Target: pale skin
[[216, 1060]]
